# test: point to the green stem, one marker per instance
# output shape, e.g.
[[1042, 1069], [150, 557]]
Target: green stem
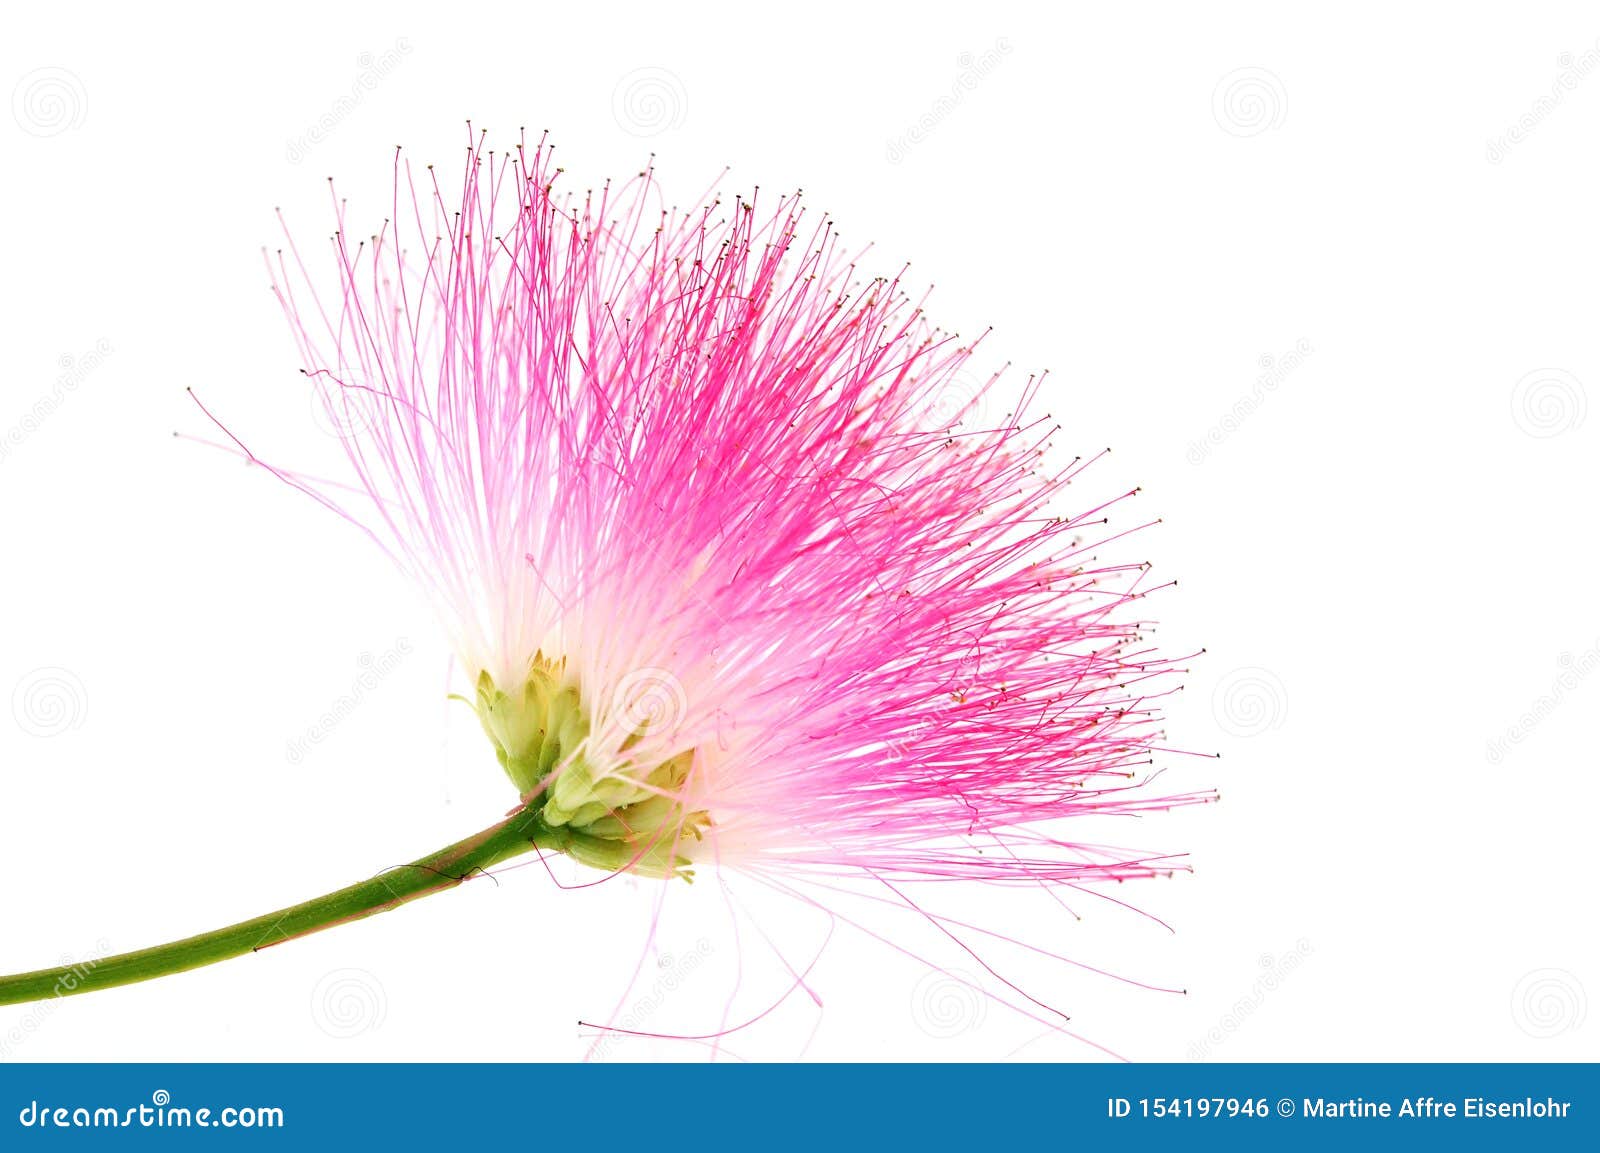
[[521, 833]]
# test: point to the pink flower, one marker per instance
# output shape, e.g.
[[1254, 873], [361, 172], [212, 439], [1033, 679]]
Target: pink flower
[[738, 560]]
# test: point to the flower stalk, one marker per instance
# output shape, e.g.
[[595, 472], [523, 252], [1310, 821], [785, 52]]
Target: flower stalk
[[522, 832]]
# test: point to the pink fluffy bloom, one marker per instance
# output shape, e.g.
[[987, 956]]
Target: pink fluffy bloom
[[733, 578]]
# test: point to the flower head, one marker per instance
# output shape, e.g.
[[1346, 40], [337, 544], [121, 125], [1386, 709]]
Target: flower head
[[735, 569]]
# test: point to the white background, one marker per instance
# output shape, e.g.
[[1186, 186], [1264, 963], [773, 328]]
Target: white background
[[1389, 554]]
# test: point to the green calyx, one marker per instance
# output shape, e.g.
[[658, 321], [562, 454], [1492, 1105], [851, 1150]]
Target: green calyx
[[627, 816], [531, 729]]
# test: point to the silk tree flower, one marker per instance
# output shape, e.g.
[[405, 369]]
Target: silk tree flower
[[737, 572]]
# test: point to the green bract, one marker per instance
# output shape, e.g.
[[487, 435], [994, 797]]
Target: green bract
[[627, 815]]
